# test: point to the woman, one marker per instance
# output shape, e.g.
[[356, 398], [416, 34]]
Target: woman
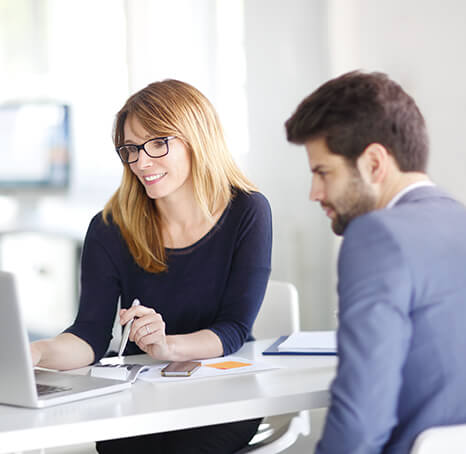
[[185, 233]]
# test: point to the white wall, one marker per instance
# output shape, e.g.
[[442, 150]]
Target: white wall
[[422, 46], [287, 57]]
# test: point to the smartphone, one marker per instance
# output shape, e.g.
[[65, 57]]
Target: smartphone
[[181, 368]]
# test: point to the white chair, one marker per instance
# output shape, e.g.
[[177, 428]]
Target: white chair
[[439, 440], [279, 315]]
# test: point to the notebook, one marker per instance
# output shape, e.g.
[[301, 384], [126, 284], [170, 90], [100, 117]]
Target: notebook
[[310, 342], [299, 345], [23, 386]]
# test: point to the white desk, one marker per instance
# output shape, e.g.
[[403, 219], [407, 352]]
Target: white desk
[[303, 383]]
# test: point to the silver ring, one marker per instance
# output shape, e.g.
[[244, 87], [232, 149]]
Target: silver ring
[[147, 329]]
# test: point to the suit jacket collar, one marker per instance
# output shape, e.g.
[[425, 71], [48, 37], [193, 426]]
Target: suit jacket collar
[[424, 192]]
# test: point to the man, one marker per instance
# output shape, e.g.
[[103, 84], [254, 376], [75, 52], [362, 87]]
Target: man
[[401, 267]]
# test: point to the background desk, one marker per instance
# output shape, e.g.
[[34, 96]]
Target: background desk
[[149, 407]]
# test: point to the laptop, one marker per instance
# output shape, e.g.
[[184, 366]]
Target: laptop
[[20, 383]]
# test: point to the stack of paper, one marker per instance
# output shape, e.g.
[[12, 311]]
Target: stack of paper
[[310, 342]]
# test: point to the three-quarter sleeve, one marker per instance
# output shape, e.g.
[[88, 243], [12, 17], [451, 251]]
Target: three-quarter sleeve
[[248, 276], [100, 289]]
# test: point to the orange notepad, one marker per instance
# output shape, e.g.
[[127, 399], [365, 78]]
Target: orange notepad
[[227, 365]]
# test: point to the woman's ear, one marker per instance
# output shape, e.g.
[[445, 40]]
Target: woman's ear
[[373, 163]]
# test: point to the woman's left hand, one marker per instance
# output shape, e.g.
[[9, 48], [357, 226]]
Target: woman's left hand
[[148, 331]]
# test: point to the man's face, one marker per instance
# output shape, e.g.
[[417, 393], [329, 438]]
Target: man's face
[[338, 186]]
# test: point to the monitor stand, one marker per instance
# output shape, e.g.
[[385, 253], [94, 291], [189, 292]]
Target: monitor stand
[[27, 210]]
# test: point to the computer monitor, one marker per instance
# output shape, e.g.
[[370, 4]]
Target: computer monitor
[[35, 148]]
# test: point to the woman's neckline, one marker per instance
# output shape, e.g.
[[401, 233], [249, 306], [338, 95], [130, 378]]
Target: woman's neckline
[[204, 238]]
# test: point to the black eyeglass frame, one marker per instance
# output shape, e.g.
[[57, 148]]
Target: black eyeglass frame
[[143, 147]]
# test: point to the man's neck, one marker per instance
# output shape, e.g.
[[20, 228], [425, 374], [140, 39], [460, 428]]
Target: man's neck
[[397, 184]]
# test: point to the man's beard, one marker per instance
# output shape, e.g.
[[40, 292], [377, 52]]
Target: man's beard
[[357, 200]]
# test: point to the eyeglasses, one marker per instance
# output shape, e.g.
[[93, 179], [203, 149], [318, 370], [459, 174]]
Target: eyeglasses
[[154, 148]]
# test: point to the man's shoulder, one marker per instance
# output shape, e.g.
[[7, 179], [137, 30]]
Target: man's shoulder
[[418, 209], [419, 230]]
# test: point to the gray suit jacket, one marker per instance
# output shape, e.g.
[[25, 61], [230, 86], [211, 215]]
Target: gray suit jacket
[[402, 326]]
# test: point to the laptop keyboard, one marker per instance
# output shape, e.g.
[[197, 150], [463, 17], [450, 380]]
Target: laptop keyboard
[[43, 390]]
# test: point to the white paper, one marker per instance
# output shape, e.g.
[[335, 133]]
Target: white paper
[[125, 372], [154, 375], [310, 341]]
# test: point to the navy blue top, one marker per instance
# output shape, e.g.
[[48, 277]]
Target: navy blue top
[[217, 283]]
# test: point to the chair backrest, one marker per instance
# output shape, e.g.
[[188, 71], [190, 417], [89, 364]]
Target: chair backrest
[[279, 313], [446, 439]]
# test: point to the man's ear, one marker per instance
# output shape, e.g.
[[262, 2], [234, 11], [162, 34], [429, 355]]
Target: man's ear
[[373, 163]]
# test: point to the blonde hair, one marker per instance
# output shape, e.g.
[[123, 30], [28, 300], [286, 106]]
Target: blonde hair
[[172, 108]]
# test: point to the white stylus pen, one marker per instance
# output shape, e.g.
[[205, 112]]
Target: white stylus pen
[[126, 330]]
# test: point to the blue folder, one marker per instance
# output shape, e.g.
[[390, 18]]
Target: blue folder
[[273, 350]]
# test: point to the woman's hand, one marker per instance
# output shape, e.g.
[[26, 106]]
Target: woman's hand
[[148, 331], [36, 354], [63, 352]]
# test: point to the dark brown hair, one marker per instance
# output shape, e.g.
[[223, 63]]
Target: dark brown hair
[[357, 109]]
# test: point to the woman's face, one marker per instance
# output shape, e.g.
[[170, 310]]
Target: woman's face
[[164, 177]]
